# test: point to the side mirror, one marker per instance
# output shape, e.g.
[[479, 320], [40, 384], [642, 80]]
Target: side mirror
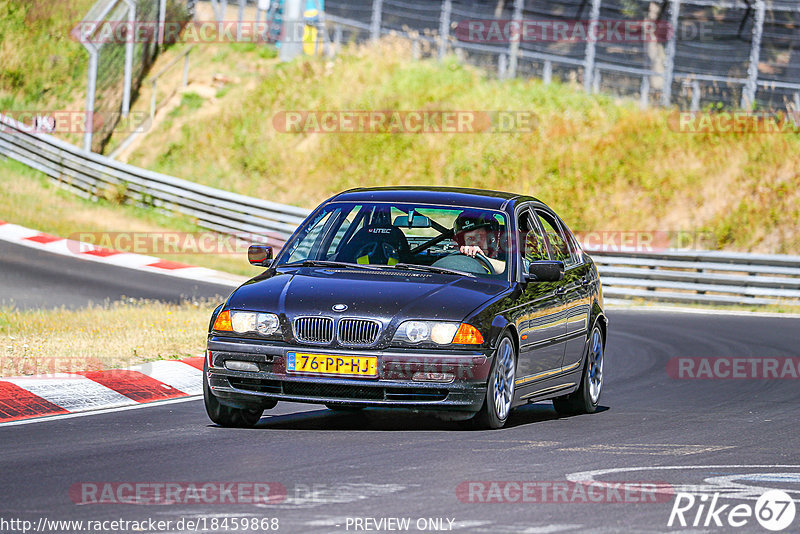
[[259, 255], [545, 271]]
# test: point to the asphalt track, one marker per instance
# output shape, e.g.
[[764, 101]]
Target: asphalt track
[[31, 278], [381, 464]]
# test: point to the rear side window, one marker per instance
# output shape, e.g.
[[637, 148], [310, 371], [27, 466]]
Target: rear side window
[[561, 246], [574, 247]]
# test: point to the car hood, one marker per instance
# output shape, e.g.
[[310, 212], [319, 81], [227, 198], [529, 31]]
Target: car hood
[[381, 294]]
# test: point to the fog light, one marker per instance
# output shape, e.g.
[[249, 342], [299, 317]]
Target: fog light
[[236, 365], [433, 377]]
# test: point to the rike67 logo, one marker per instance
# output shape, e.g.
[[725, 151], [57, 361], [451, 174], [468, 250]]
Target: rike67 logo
[[774, 510]]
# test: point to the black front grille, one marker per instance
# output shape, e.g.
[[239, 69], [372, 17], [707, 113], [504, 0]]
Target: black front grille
[[255, 384], [358, 331], [338, 392], [318, 330], [422, 395], [332, 391]]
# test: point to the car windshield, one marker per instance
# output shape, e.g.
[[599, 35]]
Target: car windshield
[[446, 240]]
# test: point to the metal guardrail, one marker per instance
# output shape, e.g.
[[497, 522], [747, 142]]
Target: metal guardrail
[[699, 277], [91, 175]]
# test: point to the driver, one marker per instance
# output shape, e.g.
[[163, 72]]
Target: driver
[[479, 233]]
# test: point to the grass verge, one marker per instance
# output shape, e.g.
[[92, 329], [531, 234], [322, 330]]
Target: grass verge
[[601, 162], [31, 199], [41, 65], [112, 335]]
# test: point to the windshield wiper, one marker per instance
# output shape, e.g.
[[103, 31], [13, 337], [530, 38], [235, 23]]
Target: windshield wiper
[[431, 269], [328, 263]]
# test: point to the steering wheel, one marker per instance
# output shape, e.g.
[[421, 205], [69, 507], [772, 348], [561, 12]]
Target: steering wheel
[[479, 264]]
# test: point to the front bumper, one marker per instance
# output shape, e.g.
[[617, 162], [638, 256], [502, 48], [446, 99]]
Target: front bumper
[[393, 387]]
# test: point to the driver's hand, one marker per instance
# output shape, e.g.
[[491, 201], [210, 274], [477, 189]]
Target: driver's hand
[[472, 250]]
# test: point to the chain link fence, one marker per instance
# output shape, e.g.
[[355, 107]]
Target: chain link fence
[[705, 53], [122, 38]]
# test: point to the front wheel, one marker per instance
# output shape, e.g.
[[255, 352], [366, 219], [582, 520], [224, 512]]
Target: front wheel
[[587, 396], [228, 416], [500, 387]]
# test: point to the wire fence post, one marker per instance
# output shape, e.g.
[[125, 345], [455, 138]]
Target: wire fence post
[[513, 48], [239, 22], [749, 93], [292, 34], [695, 105], [502, 66], [375, 23], [591, 46], [128, 82], [444, 27], [644, 92], [162, 15], [547, 73], [669, 58], [220, 8], [337, 38], [90, 96], [215, 9]]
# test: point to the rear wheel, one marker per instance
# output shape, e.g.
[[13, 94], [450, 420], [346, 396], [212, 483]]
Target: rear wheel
[[500, 387], [228, 416], [586, 398]]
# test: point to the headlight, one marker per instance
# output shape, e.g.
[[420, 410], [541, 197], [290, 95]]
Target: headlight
[[415, 332], [265, 324]]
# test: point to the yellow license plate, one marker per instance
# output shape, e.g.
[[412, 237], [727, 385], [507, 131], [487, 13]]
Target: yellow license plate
[[328, 364]]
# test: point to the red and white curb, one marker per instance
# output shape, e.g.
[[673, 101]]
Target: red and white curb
[[67, 247], [29, 397]]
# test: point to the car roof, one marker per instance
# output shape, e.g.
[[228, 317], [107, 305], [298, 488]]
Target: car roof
[[446, 196]]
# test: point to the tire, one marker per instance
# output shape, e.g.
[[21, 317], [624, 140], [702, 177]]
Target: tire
[[225, 415], [587, 396], [499, 388]]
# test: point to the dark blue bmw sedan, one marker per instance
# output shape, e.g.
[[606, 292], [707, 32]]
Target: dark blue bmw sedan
[[459, 301]]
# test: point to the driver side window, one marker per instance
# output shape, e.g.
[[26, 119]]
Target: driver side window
[[531, 241]]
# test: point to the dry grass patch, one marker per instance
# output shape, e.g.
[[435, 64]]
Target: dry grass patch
[[113, 335], [603, 163]]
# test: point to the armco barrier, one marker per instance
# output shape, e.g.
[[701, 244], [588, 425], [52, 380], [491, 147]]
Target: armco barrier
[[92, 175], [700, 277]]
